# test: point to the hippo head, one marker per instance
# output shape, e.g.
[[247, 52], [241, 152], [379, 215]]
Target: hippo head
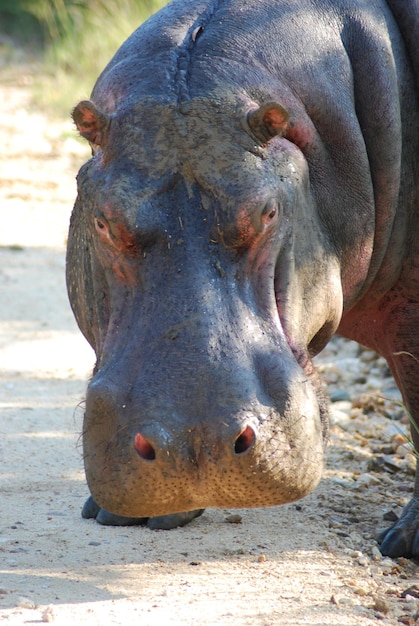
[[199, 271]]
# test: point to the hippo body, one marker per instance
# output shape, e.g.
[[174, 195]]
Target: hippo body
[[253, 190]]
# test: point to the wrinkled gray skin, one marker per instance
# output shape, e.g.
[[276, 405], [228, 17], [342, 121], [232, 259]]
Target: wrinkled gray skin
[[253, 190]]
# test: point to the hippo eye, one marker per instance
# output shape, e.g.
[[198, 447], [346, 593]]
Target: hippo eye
[[100, 226], [270, 212], [102, 229]]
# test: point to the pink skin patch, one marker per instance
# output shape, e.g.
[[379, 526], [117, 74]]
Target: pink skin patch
[[299, 135], [117, 249]]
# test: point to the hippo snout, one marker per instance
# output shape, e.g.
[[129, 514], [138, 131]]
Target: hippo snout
[[144, 456]]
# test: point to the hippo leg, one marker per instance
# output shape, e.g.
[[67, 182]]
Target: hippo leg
[[402, 538], [91, 510]]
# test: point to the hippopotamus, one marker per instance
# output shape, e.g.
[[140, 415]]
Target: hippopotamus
[[253, 190]]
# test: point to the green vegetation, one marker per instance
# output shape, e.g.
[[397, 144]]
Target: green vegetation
[[75, 38]]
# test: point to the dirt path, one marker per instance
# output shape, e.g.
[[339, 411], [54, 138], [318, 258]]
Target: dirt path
[[312, 563]]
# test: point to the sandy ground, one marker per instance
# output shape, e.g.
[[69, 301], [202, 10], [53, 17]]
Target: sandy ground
[[312, 563]]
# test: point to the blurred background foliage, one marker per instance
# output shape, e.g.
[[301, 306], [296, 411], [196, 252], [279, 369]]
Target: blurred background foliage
[[67, 42]]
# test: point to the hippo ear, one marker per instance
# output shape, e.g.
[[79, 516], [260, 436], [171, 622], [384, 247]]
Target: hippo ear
[[91, 123], [267, 121]]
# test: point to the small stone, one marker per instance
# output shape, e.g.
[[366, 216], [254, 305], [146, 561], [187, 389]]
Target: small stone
[[397, 441], [409, 463], [342, 482], [381, 604], [261, 558], [234, 519], [338, 417], [369, 402], [376, 554], [357, 539], [341, 600], [404, 449], [340, 395], [407, 620], [355, 554], [412, 591], [336, 522], [363, 561], [410, 600], [25, 603], [387, 562], [360, 380], [47, 614], [365, 480], [392, 463], [389, 481], [376, 464], [390, 516]]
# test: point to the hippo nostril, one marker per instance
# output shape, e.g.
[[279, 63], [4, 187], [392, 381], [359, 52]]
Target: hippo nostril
[[144, 448], [245, 440]]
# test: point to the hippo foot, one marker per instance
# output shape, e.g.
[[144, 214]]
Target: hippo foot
[[91, 510], [402, 539]]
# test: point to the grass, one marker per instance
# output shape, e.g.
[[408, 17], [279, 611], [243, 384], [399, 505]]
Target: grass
[[77, 39]]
